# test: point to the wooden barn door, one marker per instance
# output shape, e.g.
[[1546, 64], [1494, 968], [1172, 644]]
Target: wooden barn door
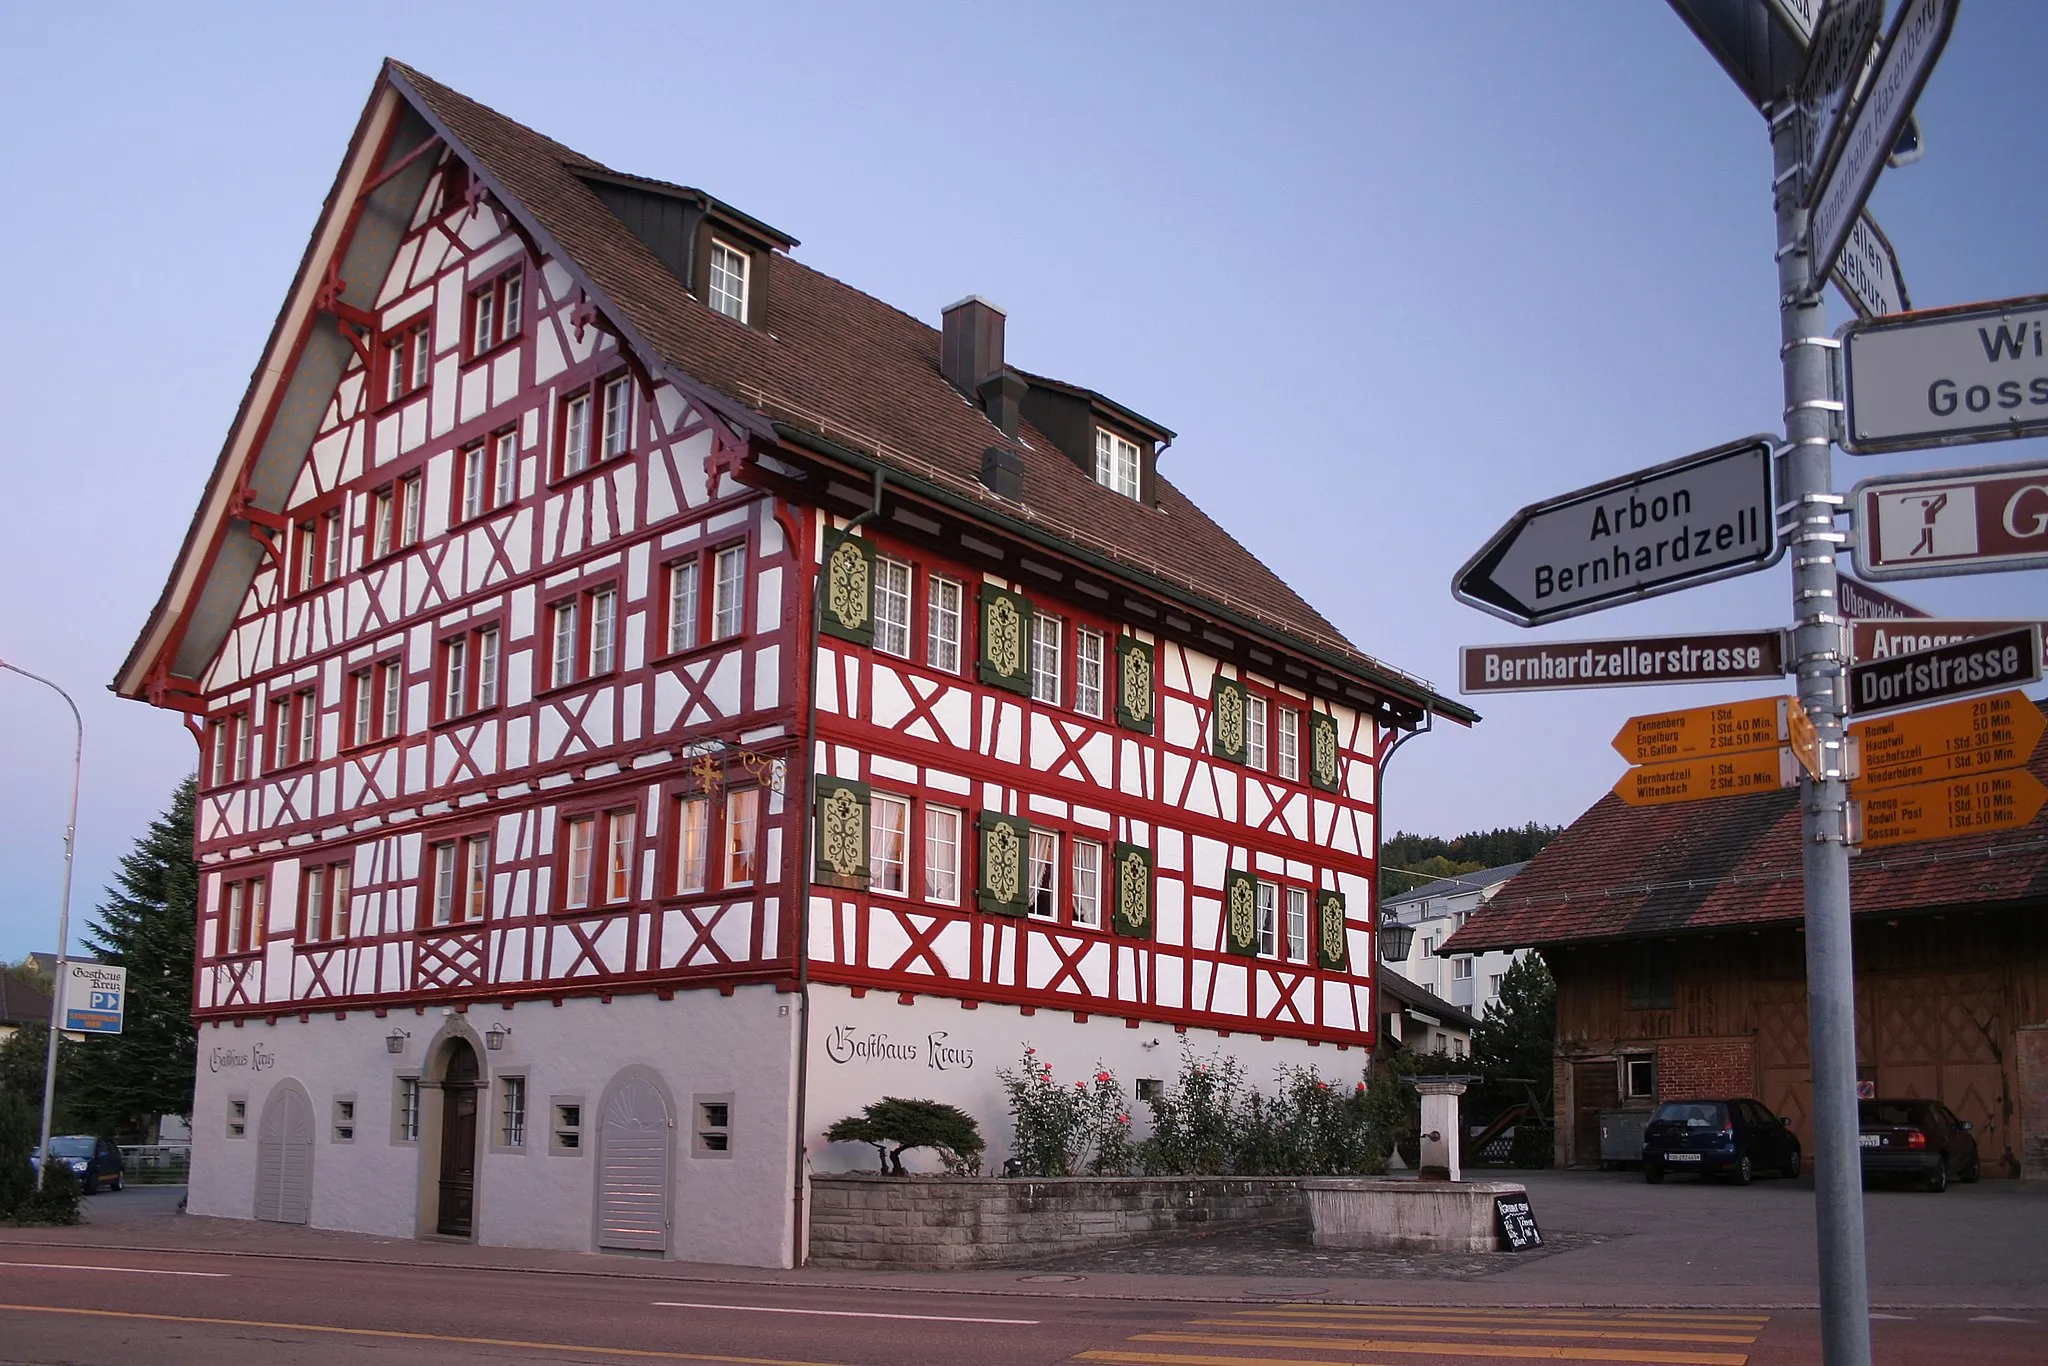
[[456, 1215], [633, 1140], [1937, 1036], [284, 1158]]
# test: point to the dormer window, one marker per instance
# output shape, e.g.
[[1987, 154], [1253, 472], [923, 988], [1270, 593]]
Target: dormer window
[[728, 292], [1116, 463]]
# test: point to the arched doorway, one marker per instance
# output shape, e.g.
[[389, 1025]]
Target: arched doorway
[[458, 1141], [284, 1156], [633, 1138]]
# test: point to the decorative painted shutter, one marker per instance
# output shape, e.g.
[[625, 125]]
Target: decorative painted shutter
[[848, 607], [1240, 913], [1226, 719], [1333, 943], [1322, 751], [1133, 891], [1005, 847], [842, 833], [1134, 676], [1005, 658]]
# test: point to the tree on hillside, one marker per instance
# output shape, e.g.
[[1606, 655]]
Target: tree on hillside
[[119, 1084], [1408, 861]]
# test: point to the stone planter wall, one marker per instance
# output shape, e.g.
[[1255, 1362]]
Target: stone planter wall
[[943, 1222]]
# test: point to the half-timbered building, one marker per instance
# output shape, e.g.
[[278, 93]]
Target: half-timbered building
[[654, 699]]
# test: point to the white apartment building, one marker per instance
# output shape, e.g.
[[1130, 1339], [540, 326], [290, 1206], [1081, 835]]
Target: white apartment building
[[1470, 981]]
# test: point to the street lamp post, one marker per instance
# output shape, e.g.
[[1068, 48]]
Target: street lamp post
[[63, 915]]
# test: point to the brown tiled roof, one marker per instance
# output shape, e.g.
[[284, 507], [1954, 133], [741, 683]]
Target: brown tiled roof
[[843, 365], [21, 1001], [1623, 872]]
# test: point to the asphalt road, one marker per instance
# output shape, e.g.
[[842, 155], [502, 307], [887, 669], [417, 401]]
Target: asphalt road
[[85, 1307]]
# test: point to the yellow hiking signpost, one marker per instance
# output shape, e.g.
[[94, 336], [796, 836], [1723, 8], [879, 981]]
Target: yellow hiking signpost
[[1721, 775], [1979, 805], [1758, 723], [1974, 735]]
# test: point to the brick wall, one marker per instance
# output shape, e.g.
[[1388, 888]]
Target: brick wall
[[940, 1223], [1700, 1067]]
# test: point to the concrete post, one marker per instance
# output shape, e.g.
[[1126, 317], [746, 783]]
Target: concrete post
[[1440, 1133]]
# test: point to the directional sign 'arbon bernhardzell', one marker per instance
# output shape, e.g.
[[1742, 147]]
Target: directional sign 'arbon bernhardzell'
[[1980, 805], [1716, 657], [1975, 735], [1972, 666], [1701, 732], [1705, 517], [1963, 521], [1947, 376]]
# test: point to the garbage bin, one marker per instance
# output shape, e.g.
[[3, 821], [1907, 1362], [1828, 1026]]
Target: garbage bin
[[1621, 1138]]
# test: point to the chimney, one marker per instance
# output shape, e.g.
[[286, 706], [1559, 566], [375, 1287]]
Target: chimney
[[1002, 398], [1002, 470], [972, 347]]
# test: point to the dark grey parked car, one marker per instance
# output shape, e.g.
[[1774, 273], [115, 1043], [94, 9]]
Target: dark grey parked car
[[1732, 1138], [1920, 1139], [96, 1162]]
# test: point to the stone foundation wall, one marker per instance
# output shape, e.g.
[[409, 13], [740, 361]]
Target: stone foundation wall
[[943, 1222]]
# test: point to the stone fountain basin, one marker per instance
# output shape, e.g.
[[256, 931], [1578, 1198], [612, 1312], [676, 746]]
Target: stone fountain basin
[[1407, 1216]]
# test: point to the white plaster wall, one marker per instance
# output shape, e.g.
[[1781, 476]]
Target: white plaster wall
[[733, 1209], [995, 1036]]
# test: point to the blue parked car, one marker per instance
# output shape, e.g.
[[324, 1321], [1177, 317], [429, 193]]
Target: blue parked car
[[96, 1162], [1735, 1139]]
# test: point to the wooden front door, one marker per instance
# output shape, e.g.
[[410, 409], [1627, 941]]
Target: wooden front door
[[458, 1141], [1595, 1087]]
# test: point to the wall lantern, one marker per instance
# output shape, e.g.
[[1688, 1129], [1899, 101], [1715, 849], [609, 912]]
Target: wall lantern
[[494, 1037], [394, 1042], [1395, 940]]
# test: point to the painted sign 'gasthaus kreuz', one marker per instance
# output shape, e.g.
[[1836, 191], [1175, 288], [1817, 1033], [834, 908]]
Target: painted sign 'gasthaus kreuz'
[[642, 725]]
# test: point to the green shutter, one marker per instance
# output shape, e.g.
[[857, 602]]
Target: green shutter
[[1133, 866], [842, 833], [1134, 687], [1333, 944], [1005, 658], [1005, 864], [1226, 719], [1240, 913], [1322, 751], [848, 606]]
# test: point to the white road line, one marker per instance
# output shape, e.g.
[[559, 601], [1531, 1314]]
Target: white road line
[[125, 1270], [836, 1313]]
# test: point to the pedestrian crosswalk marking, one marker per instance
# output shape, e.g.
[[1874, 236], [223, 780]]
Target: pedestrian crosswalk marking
[[1473, 1329], [1519, 1351]]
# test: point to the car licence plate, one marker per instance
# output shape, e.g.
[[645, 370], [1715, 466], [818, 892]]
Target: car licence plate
[[1869, 1141], [1681, 1157]]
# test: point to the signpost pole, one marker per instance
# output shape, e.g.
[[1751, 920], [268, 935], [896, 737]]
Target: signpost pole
[[1807, 503], [63, 915]]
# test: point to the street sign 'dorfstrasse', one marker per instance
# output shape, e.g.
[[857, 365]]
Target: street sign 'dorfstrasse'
[[1707, 516], [1986, 664]]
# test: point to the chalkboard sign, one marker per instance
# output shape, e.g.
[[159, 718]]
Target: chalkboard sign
[[1517, 1222]]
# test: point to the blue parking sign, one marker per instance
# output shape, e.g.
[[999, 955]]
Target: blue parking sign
[[94, 997]]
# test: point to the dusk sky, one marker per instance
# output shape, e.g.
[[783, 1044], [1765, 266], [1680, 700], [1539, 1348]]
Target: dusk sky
[[1392, 271]]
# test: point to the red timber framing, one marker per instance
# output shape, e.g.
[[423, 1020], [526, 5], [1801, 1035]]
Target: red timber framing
[[544, 641]]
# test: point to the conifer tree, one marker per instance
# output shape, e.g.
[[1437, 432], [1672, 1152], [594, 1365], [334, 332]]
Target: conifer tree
[[147, 924]]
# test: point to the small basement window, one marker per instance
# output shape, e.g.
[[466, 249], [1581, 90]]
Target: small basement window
[[345, 1120], [238, 1118], [712, 1135], [565, 1134], [1151, 1088]]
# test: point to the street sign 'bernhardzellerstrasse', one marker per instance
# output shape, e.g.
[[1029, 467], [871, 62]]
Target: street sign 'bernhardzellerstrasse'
[[1987, 664], [1947, 376], [95, 997], [1707, 516], [1916, 40], [1963, 521], [1716, 657]]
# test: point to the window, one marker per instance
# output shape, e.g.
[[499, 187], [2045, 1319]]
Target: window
[[1088, 672], [469, 672], [315, 551], [942, 855], [360, 701], [1461, 969], [409, 511], [565, 1135], [728, 281], [599, 859], [1045, 659], [1255, 732], [494, 312], [888, 844], [406, 357], [583, 636], [228, 757], [728, 593], [238, 1117], [1116, 463], [618, 417], [892, 607], [292, 723], [1045, 865], [1087, 894], [504, 468], [375, 702], [487, 667], [942, 625], [693, 842], [713, 1134], [1297, 924], [331, 533], [1288, 737], [242, 915], [421, 353], [408, 1109], [576, 434], [383, 525], [1269, 920], [682, 606], [1652, 981], [564, 653], [604, 611], [461, 880], [1639, 1078], [479, 490], [512, 1112], [389, 694], [1493, 984], [454, 677], [742, 831], [324, 901], [345, 1120]]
